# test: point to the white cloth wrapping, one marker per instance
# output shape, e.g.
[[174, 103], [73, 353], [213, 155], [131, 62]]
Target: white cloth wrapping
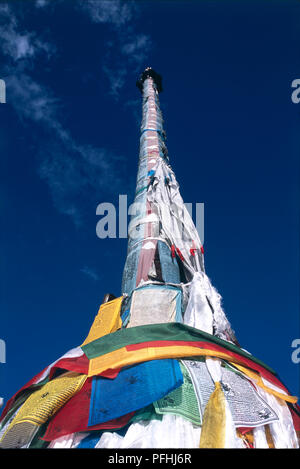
[[259, 436], [282, 431], [221, 323], [204, 310], [172, 431], [67, 441], [198, 313], [177, 228], [177, 224]]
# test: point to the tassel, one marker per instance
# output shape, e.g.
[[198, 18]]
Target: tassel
[[218, 429], [214, 420]]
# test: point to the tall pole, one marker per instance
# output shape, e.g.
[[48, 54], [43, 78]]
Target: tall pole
[[141, 262], [163, 244]]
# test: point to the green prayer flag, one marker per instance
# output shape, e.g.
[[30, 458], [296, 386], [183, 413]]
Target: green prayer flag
[[147, 413], [182, 401]]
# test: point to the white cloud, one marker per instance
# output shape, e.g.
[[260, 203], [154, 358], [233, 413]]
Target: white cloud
[[73, 172], [137, 47], [32, 100], [16, 44], [117, 78], [114, 12], [41, 3], [128, 50], [90, 273]]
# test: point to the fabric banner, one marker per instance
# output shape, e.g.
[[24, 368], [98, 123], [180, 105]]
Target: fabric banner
[[107, 320], [73, 417], [155, 304], [183, 401], [259, 381], [30, 385], [16, 403], [39, 407], [164, 331], [124, 357], [137, 353], [76, 364], [248, 409], [169, 265], [133, 388]]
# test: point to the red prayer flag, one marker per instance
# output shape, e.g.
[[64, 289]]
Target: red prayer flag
[[74, 416]]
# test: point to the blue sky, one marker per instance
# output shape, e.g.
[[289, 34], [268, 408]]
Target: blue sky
[[69, 140]]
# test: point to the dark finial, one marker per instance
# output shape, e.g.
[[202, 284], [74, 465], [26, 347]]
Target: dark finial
[[149, 72], [108, 297]]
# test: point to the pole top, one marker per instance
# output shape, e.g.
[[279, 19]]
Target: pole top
[[149, 72]]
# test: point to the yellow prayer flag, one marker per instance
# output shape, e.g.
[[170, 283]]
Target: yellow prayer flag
[[107, 320], [40, 406]]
